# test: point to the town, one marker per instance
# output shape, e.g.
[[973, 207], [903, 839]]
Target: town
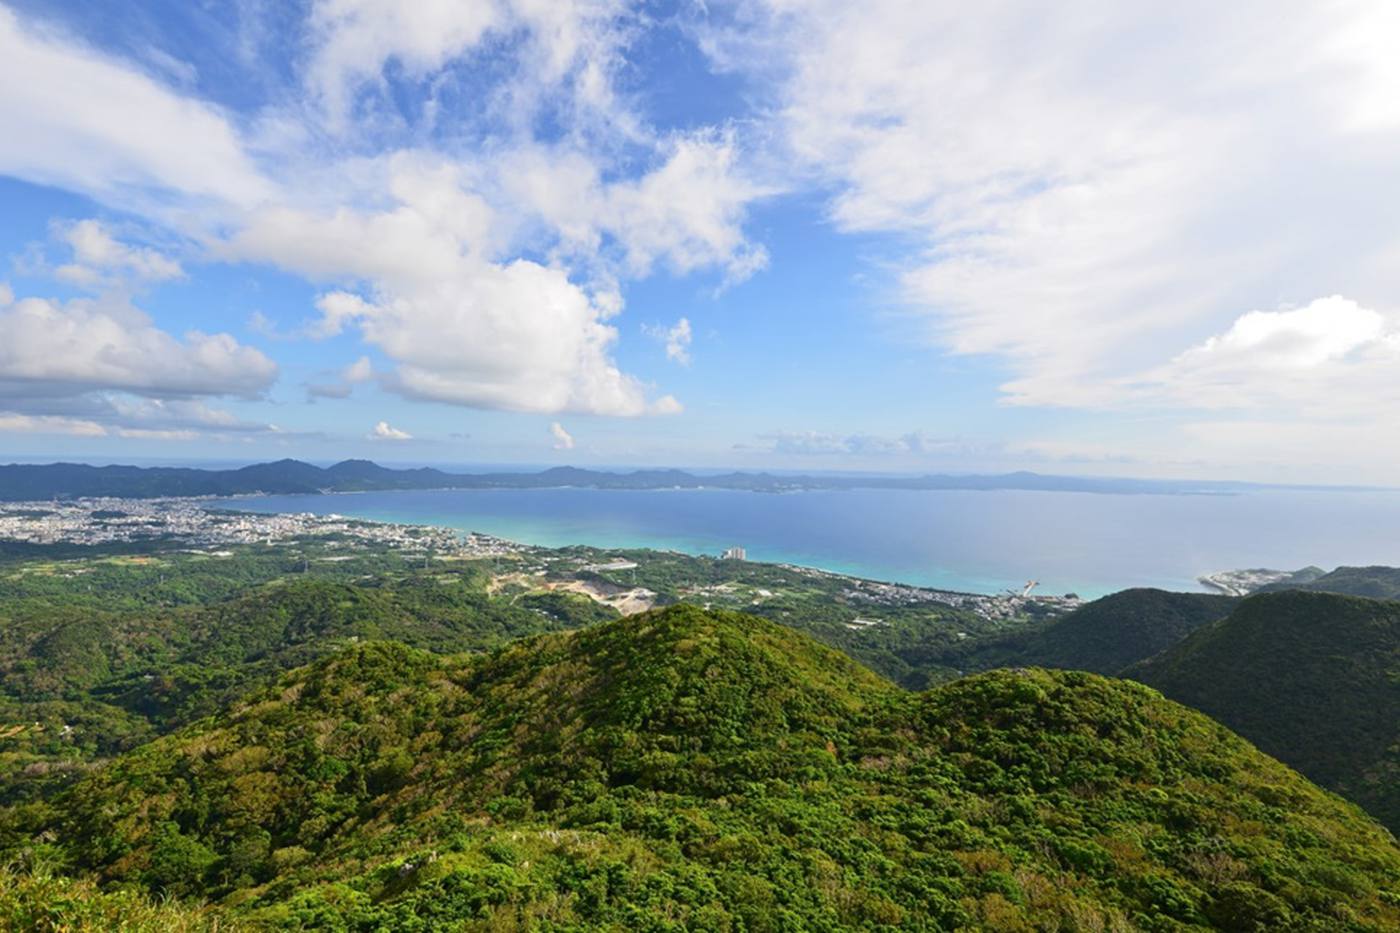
[[200, 523]]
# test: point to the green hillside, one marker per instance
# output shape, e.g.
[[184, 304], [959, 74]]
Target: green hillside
[[1103, 636], [691, 770], [1375, 582], [1311, 678], [94, 683]]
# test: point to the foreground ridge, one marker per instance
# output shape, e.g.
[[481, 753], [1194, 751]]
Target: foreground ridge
[[711, 770]]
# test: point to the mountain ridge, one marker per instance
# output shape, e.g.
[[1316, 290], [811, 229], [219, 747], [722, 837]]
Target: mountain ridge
[[692, 769], [1312, 678], [29, 482], [1103, 636]]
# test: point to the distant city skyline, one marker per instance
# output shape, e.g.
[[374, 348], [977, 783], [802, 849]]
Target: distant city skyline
[[1095, 239]]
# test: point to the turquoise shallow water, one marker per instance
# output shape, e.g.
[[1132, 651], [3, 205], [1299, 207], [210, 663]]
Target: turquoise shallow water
[[966, 540]]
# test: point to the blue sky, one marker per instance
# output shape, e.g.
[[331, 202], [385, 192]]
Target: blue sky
[[800, 235]]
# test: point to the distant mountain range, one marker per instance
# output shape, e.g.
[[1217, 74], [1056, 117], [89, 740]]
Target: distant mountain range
[[21, 482]]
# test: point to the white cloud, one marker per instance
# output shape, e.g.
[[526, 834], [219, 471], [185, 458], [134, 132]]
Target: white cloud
[[154, 434], [462, 327], [563, 440], [686, 212], [78, 119], [187, 416], [485, 268], [689, 211], [358, 37], [55, 409], [676, 339], [1331, 358], [49, 424], [819, 443], [85, 345], [1304, 338], [383, 431], [100, 260], [359, 371], [1079, 189], [566, 51]]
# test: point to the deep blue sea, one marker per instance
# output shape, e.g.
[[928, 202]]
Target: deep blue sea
[[1089, 543]]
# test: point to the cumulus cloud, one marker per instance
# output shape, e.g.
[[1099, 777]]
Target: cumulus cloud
[[1331, 357], [487, 270], [563, 440], [1304, 338], [84, 345], [99, 259], [100, 366], [462, 326], [383, 431]]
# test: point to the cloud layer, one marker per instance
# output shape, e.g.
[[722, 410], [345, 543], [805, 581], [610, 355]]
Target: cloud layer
[[484, 261], [1184, 213], [1077, 189], [82, 345]]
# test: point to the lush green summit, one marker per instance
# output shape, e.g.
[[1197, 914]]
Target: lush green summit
[[1312, 678], [685, 769]]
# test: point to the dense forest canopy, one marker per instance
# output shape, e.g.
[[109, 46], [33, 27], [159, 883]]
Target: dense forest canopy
[[307, 734]]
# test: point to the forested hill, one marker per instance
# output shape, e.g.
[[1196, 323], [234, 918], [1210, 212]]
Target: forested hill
[[1103, 636], [684, 769], [27, 482], [1375, 582], [1311, 678]]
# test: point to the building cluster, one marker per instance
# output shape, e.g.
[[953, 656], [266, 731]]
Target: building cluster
[[1000, 607], [196, 522]]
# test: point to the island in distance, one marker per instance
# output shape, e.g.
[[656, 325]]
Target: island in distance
[[23, 481]]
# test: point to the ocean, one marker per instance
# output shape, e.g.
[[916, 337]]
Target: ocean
[[975, 541]]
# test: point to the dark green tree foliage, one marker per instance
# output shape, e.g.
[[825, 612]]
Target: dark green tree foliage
[[1375, 582], [98, 682], [1311, 678], [1103, 636], [693, 770]]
